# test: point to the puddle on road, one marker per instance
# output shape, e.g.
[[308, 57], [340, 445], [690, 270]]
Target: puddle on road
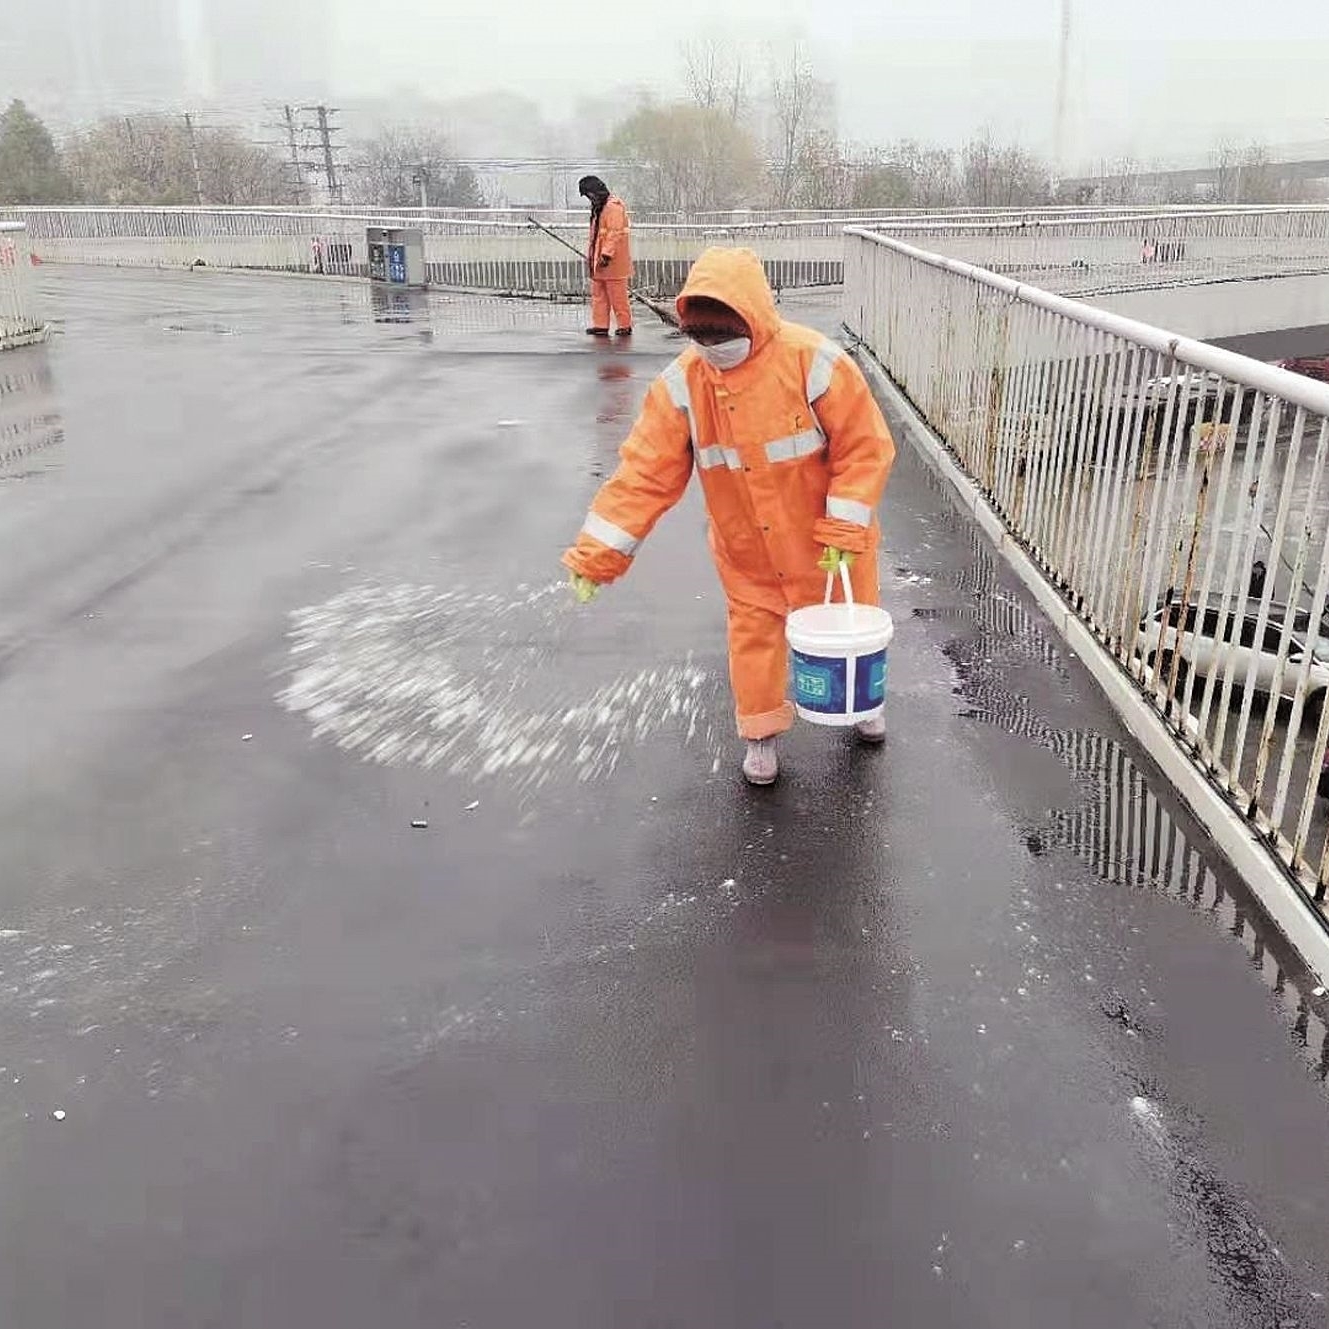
[[1117, 827], [32, 431], [409, 674]]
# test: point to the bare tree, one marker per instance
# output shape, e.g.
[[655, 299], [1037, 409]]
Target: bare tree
[[824, 176], [931, 172], [715, 76], [802, 108], [1003, 177], [1247, 175], [390, 169], [906, 174], [1119, 184], [150, 159]]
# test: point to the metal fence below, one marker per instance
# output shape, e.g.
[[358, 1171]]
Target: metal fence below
[[1106, 253], [1176, 494], [20, 321]]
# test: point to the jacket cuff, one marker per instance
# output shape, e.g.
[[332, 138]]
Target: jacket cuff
[[846, 535], [601, 566]]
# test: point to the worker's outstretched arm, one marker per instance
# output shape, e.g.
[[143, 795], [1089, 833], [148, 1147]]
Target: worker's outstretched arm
[[653, 472], [861, 453]]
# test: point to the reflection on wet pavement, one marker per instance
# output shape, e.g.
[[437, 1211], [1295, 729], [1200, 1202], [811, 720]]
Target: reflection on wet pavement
[[1118, 827], [620, 397], [31, 430]]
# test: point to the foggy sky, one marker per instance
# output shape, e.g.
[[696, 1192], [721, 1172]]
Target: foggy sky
[[1147, 78], [1156, 80]]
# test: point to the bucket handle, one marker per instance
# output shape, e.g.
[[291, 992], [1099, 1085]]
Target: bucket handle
[[844, 576]]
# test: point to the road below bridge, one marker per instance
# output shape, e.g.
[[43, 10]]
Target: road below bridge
[[1286, 344], [974, 1031]]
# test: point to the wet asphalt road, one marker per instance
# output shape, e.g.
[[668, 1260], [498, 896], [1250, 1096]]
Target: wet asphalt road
[[1309, 341], [970, 1032]]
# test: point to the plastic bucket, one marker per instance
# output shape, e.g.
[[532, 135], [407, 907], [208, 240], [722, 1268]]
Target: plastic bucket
[[839, 658]]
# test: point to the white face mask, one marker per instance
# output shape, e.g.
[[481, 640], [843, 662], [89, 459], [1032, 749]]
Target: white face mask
[[726, 354]]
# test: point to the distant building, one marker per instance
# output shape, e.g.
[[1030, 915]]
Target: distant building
[[76, 60], [73, 60], [247, 51]]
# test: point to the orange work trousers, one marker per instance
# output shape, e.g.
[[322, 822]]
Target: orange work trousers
[[759, 654], [607, 295]]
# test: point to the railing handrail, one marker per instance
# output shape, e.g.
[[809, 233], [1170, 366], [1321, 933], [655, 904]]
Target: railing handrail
[[405, 219], [958, 221], [806, 214], [13, 226], [1256, 374], [1128, 218]]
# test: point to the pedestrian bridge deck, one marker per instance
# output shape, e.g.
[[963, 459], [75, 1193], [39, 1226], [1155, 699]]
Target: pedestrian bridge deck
[[966, 1031]]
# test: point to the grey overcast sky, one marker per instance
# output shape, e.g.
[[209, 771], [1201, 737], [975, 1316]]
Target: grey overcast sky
[[1147, 78]]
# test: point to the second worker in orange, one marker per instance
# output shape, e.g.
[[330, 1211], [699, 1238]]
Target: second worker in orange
[[609, 257]]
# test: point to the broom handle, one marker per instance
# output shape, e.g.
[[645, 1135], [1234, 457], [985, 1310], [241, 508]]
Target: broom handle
[[554, 235]]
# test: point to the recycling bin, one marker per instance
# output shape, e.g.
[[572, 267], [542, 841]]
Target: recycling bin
[[396, 255]]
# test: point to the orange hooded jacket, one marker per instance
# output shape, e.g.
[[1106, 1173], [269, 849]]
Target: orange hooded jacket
[[610, 239], [792, 451]]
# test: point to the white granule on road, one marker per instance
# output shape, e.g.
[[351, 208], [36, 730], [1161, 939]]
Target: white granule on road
[[412, 674]]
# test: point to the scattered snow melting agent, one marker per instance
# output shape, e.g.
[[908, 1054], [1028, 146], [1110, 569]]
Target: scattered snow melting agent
[[411, 674]]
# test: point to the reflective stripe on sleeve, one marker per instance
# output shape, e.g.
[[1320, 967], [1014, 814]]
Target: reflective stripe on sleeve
[[609, 534], [849, 509], [828, 354], [676, 382]]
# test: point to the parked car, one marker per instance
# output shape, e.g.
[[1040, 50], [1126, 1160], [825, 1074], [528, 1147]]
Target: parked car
[[1309, 366], [1201, 649], [1178, 401]]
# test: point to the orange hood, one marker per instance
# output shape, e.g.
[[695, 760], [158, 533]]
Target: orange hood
[[736, 278]]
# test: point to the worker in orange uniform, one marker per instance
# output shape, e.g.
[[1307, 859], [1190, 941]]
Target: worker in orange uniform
[[609, 257], [794, 456]]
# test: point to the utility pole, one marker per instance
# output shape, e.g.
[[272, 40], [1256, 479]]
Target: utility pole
[[420, 175], [297, 170], [1063, 80], [193, 157], [325, 133]]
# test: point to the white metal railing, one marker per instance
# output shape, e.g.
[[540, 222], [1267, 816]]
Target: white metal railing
[[1177, 494], [20, 322], [1081, 251], [500, 253], [1102, 253]]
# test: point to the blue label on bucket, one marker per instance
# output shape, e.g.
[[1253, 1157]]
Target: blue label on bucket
[[820, 684], [870, 681]]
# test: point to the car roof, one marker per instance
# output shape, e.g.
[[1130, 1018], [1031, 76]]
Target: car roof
[[1278, 611], [1218, 600]]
